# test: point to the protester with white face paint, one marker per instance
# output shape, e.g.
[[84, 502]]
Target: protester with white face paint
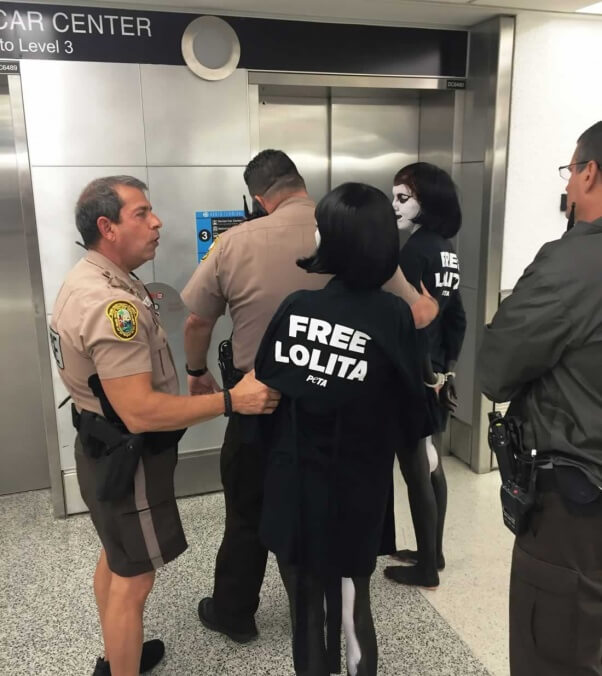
[[347, 360], [406, 208], [426, 205]]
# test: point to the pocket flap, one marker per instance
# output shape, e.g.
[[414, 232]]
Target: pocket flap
[[543, 575]]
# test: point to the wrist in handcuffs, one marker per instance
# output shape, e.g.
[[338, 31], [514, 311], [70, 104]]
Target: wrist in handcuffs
[[439, 382]]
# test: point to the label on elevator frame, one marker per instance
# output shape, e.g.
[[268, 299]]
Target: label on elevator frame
[[210, 225], [10, 67], [456, 84]]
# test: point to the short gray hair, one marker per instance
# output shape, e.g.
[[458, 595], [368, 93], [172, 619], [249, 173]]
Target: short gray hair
[[589, 146], [99, 198]]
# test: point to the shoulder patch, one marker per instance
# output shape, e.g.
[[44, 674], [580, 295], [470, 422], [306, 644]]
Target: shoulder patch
[[123, 316], [210, 249], [55, 344]]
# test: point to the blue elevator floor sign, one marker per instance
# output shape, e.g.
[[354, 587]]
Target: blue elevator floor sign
[[210, 225]]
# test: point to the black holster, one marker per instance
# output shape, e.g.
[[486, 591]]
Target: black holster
[[230, 374], [115, 451]]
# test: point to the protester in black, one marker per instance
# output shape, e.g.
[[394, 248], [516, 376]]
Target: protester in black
[[347, 360], [426, 204]]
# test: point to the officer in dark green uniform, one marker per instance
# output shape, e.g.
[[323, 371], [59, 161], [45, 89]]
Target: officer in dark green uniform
[[543, 351]]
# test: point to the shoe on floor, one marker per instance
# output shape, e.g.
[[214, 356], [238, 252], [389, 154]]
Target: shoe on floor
[[410, 557], [102, 668], [209, 620], [413, 576], [152, 654]]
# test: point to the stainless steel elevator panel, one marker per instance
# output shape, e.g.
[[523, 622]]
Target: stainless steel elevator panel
[[56, 190], [338, 135], [83, 114], [437, 118], [373, 136], [177, 193], [299, 125], [469, 178], [23, 456], [193, 122], [482, 171]]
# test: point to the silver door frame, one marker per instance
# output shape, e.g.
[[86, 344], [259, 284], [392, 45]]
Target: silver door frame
[[35, 272], [486, 130], [258, 77], [494, 207]]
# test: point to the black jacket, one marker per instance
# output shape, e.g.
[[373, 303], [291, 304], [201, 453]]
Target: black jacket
[[430, 258], [543, 350], [339, 424]]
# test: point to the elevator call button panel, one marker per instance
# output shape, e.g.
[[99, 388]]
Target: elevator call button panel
[[210, 225]]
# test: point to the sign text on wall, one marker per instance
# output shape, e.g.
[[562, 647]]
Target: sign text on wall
[[21, 22], [99, 34]]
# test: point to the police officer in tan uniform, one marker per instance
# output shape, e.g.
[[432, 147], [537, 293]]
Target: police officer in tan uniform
[[251, 269], [114, 359]]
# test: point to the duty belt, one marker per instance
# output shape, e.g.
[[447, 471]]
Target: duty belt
[[111, 434]]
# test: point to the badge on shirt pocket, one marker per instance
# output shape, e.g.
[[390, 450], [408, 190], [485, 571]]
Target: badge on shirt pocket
[[124, 319]]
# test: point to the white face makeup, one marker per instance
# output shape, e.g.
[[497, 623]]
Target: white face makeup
[[318, 238], [406, 207]]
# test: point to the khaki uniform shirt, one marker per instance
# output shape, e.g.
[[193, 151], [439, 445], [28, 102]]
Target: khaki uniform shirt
[[104, 322], [252, 269]]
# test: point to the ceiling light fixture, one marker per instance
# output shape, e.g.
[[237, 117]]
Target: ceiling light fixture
[[596, 8]]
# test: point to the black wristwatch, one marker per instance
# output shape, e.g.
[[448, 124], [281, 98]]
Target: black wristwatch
[[195, 373]]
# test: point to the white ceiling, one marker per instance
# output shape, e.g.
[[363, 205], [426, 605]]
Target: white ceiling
[[398, 12]]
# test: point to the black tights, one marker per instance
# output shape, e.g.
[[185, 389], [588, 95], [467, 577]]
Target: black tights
[[362, 651], [427, 492]]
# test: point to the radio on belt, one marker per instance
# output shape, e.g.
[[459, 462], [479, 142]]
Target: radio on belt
[[517, 469]]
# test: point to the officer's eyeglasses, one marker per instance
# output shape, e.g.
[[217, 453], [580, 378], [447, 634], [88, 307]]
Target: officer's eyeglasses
[[566, 171]]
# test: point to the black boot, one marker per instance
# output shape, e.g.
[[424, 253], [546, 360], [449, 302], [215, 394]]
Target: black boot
[[414, 576], [102, 668], [152, 654], [410, 556], [209, 620]]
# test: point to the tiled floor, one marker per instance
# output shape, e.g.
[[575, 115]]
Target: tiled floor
[[473, 595], [48, 624]]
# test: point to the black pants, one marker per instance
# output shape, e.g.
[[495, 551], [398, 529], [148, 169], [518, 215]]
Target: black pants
[[241, 559], [556, 591], [362, 651], [427, 493]]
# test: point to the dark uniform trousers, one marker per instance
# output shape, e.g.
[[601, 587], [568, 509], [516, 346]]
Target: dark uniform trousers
[[556, 590], [241, 559]]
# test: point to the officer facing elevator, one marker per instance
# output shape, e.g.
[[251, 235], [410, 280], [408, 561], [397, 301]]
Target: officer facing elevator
[[114, 359], [251, 269]]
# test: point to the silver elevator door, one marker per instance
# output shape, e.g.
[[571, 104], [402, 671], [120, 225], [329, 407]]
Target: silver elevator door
[[23, 457], [335, 135]]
